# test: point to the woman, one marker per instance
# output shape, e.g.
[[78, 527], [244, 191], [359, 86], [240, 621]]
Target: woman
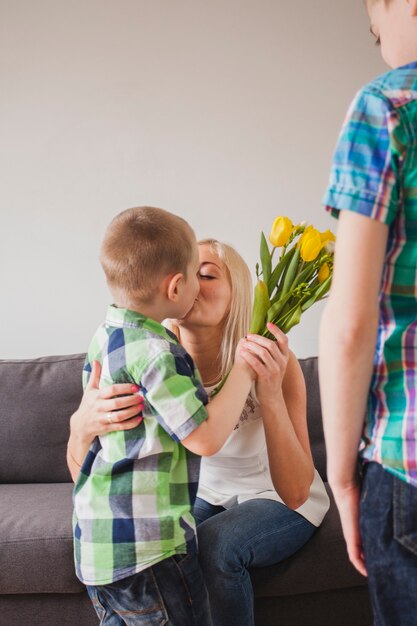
[[242, 521]]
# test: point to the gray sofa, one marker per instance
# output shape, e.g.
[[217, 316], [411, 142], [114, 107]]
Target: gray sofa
[[38, 587]]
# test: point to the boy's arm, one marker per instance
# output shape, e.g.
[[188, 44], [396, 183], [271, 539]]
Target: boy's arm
[[223, 411], [348, 335], [174, 391]]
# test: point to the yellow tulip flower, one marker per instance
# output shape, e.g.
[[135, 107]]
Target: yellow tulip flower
[[326, 236], [307, 230], [324, 273], [311, 245], [281, 231], [299, 278]]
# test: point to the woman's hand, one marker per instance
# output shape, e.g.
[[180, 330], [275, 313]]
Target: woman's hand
[[116, 407], [269, 360], [280, 390], [105, 410]]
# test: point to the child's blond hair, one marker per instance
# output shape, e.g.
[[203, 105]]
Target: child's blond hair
[[141, 246]]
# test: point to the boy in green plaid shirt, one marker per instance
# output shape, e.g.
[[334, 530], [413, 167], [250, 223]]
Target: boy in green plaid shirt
[[134, 535]]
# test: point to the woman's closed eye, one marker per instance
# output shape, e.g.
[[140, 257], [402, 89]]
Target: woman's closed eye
[[207, 276]]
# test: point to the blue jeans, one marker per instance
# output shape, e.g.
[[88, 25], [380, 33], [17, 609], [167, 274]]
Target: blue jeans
[[171, 592], [252, 534], [388, 526]]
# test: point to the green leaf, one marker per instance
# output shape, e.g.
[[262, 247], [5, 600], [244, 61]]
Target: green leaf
[[275, 310], [288, 255], [292, 320], [278, 270], [265, 259], [291, 272], [305, 275], [318, 294]]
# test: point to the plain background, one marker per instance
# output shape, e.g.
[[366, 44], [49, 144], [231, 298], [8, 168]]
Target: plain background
[[223, 111]]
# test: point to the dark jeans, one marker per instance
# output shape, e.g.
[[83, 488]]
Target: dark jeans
[[388, 525], [252, 534], [171, 592]]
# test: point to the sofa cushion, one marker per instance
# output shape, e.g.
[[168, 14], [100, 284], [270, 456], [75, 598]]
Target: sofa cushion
[[36, 554], [322, 564], [36, 549], [38, 397]]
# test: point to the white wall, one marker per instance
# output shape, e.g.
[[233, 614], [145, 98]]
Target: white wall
[[223, 111]]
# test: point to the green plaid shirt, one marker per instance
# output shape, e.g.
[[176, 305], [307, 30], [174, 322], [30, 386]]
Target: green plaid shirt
[[374, 173], [133, 497]]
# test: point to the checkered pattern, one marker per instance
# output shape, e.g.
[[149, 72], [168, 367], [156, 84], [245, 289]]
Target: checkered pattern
[[134, 494], [375, 173]]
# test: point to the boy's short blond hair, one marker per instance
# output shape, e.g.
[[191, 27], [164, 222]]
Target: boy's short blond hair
[[141, 246]]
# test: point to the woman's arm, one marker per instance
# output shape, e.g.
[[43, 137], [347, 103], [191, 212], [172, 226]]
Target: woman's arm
[[92, 417], [281, 393], [348, 336]]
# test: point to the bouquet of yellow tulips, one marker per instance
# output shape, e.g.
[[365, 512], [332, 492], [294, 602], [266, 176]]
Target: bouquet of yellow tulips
[[301, 276]]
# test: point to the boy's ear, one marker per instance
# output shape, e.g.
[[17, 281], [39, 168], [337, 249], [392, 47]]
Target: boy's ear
[[173, 287], [413, 7]]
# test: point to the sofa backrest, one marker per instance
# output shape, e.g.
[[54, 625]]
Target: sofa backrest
[[38, 397], [314, 418]]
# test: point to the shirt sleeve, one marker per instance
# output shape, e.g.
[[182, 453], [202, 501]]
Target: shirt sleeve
[[364, 173], [171, 385]]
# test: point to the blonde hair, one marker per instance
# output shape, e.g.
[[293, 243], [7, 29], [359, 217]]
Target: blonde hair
[[238, 318], [142, 245]]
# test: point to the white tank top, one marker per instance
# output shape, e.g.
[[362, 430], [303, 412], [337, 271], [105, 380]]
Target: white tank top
[[240, 470]]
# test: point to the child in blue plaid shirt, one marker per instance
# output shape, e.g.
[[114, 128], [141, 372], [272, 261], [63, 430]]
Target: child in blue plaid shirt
[[368, 352]]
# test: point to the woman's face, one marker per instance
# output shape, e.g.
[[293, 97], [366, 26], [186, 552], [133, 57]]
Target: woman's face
[[213, 302]]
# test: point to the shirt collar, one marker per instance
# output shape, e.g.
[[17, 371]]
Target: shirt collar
[[126, 318], [408, 66]]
